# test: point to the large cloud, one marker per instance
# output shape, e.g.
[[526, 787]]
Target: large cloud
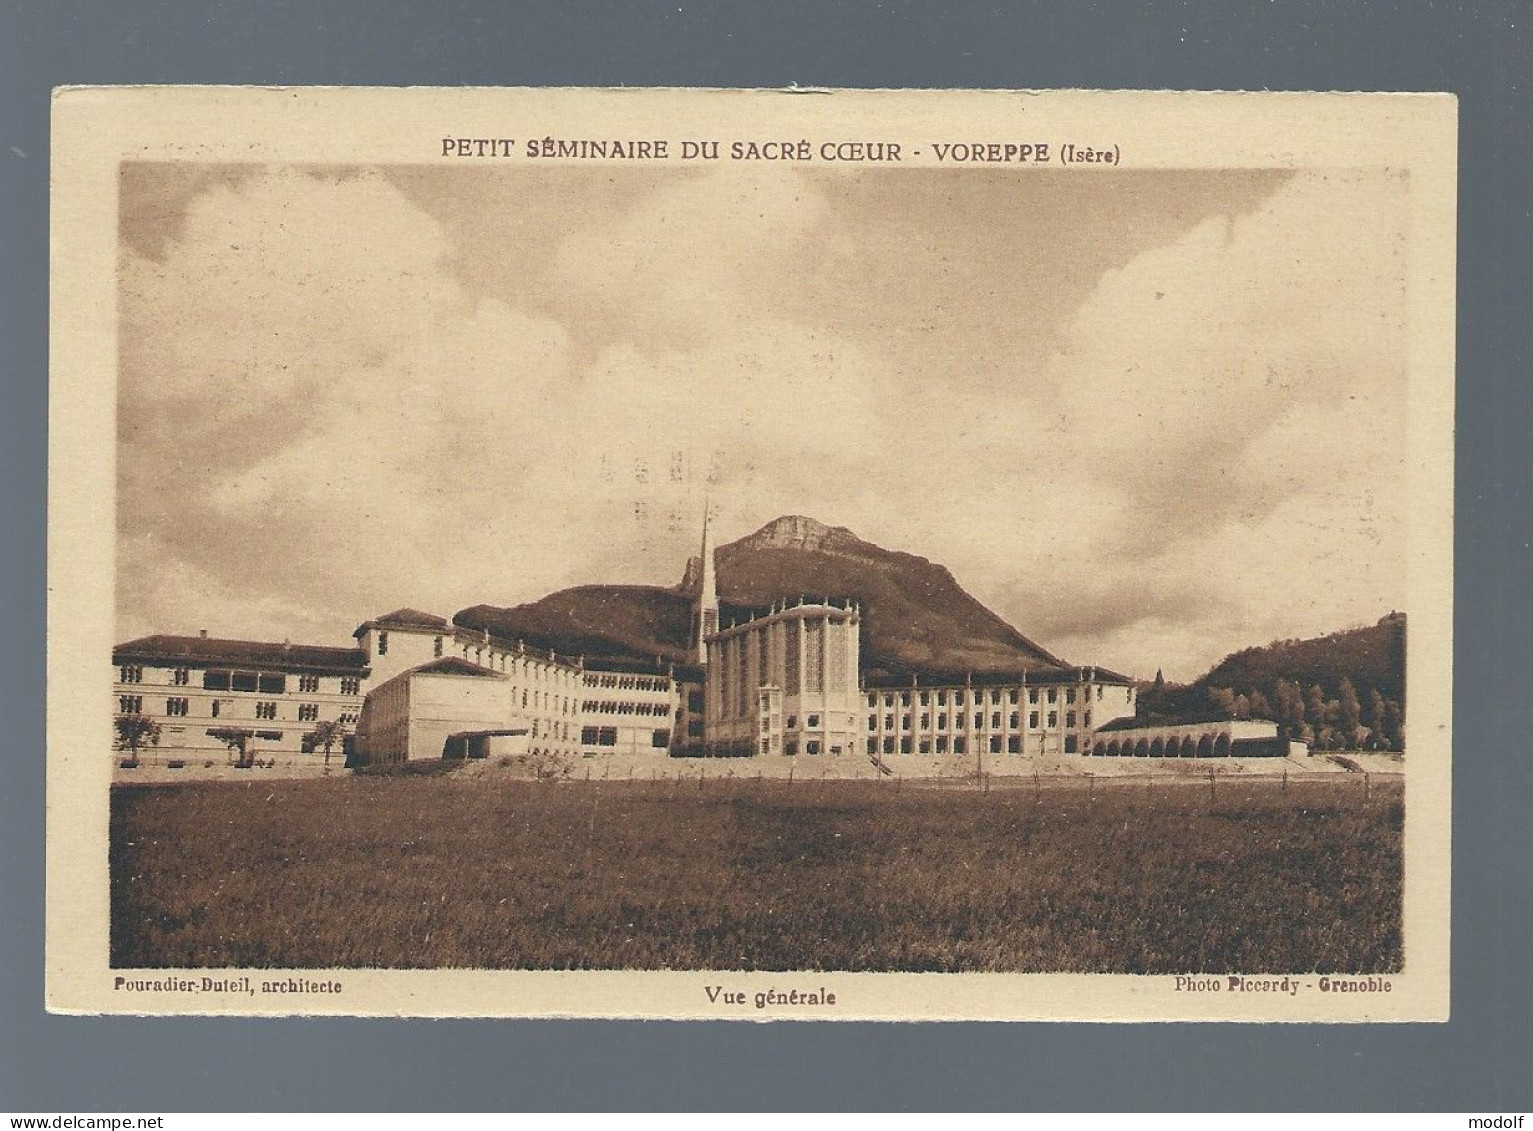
[[345, 393]]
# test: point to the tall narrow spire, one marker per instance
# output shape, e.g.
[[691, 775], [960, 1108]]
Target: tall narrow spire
[[707, 606]]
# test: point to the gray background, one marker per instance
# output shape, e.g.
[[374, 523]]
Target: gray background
[[1479, 1062]]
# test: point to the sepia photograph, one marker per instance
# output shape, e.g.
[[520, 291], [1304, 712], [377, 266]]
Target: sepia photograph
[[724, 555]]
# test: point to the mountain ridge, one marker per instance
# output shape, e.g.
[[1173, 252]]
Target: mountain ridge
[[916, 617]]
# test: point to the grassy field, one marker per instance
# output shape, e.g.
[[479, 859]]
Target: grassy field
[[432, 872]]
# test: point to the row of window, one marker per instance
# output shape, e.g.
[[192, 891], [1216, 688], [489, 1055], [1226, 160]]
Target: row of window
[[607, 736], [627, 682], [962, 698], [626, 707], [960, 721], [178, 707], [545, 701], [960, 745]]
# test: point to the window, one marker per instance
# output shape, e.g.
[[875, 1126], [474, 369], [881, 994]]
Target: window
[[1069, 718], [1099, 692], [872, 722], [265, 710], [177, 708], [271, 684], [348, 718], [888, 722], [1053, 695], [216, 706], [872, 746], [959, 698], [243, 681], [872, 700], [995, 744], [130, 704], [269, 735], [1016, 720], [942, 744], [1069, 695], [889, 745], [888, 700], [960, 720], [1032, 719], [1011, 696], [925, 698], [812, 746], [905, 745], [436, 649], [790, 748], [1087, 719], [694, 728], [942, 698], [181, 677], [130, 673], [588, 736], [606, 736], [904, 699], [926, 746], [995, 697], [383, 644], [814, 722], [308, 712], [215, 681], [660, 739], [1014, 744], [308, 683], [1071, 746], [926, 722], [904, 722], [1053, 718], [942, 721], [792, 723], [352, 686], [995, 719], [960, 746], [1032, 695]]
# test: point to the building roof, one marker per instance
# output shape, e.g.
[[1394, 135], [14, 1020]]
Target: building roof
[[405, 618], [1031, 677], [452, 665], [206, 651], [1189, 720]]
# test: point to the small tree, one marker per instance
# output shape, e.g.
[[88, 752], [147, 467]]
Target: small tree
[[134, 732], [237, 739], [1349, 712], [327, 733]]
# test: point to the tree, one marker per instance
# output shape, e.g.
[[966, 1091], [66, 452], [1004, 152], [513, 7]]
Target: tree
[[237, 739], [1394, 726], [1349, 712], [1222, 699], [1290, 707], [1374, 719], [134, 732], [1314, 708], [327, 733], [1260, 708], [1241, 707]]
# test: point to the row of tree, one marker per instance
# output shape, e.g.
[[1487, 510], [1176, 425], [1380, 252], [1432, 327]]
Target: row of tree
[[136, 733], [1346, 720]]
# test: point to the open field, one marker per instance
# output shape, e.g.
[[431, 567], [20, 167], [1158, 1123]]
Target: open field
[[1103, 876]]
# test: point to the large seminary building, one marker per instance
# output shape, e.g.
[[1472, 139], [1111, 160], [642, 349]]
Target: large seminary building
[[784, 683]]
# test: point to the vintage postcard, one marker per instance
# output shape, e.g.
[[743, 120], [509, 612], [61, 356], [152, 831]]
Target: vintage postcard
[[810, 555]]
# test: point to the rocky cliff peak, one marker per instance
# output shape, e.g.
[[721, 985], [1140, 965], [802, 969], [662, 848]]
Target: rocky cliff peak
[[799, 532]]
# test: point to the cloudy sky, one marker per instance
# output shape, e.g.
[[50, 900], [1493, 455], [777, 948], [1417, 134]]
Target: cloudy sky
[[1148, 417]]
